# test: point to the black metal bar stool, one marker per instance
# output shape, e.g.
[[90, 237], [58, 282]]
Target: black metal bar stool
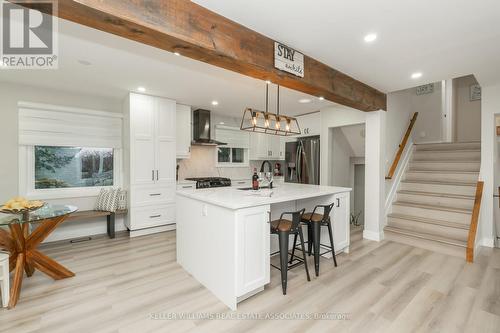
[[314, 222], [284, 228]]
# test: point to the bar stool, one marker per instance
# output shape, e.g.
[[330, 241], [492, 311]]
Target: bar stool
[[284, 228], [314, 222], [4, 278]]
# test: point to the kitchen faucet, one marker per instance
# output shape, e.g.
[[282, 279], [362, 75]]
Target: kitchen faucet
[[270, 170]]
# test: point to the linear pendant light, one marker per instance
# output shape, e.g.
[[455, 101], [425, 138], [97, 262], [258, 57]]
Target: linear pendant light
[[267, 122]]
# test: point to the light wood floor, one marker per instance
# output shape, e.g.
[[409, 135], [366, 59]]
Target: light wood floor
[[383, 287]]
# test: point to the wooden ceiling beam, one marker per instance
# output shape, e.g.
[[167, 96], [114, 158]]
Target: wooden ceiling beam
[[198, 33]]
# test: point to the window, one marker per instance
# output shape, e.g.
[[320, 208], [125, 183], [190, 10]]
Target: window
[[227, 156], [69, 167]]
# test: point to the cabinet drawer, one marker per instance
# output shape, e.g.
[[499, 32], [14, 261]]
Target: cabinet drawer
[[152, 216], [150, 195]]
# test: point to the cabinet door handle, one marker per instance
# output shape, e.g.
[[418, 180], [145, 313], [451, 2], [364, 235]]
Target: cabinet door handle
[[188, 186], [154, 194], [338, 202], [154, 216], [152, 175], [157, 177]]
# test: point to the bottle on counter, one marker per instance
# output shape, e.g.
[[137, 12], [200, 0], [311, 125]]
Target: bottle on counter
[[255, 180]]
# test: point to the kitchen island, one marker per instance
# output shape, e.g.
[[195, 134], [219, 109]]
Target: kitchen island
[[223, 234]]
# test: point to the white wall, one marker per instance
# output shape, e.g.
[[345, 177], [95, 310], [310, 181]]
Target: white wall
[[490, 163], [10, 95], [429, 107], [467, 113], [341, 159]]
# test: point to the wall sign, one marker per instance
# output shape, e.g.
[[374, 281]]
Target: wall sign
[[288, 60], [475, 92], [425, 89]]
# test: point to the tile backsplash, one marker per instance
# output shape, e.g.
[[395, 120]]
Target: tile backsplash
[[203, 164]]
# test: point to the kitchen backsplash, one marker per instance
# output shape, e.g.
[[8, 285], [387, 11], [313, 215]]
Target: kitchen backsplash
[[203, 164]]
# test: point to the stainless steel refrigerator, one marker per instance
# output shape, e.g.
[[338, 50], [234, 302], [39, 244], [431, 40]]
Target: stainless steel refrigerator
[[302, 161]]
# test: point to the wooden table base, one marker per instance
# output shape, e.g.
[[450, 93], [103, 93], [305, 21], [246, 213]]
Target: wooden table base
[[24, 256]]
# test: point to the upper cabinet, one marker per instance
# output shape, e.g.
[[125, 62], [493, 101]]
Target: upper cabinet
[[183, 131], [152, 139], [266, 147], [310, 124]]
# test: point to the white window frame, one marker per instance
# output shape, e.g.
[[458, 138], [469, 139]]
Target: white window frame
[[27, 178], [231, 164]]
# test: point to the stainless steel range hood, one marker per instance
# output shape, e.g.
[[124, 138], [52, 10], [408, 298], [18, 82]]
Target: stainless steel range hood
[[201, 129]]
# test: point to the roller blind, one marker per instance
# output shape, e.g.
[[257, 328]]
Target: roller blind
[[51, 125], [234, 137]]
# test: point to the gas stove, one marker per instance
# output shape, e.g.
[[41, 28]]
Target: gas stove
[[207, 182]]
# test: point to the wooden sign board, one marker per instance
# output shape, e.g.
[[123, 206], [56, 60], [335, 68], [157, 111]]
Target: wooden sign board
[[288, 60]]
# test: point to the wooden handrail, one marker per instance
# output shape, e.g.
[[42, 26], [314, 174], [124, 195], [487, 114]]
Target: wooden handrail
[[402, 146], [471, 240]]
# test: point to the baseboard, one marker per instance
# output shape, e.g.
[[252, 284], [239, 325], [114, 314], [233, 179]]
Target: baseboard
[[153, 230], [372, 235], [487, 242]]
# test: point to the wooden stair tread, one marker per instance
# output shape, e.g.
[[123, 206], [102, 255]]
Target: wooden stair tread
[[436, 194], [426, 236], [433, 207], [429, 221], [432, 182]]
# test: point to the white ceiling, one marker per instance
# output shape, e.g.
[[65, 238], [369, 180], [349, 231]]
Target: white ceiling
[[119, 65], [441, 38]]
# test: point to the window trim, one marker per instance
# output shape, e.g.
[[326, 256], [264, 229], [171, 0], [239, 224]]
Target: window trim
[[244, 164], [27, 178]]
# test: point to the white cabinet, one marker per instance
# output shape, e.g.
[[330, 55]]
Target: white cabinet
[[151, 158], [341, 221], [266, 147], [183, 121], [310, 124]]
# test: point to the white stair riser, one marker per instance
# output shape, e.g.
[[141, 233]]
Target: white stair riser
[[436, 200], [446, 147], [455, 217], [446, 155], [428, 228], [442, 176], [440, 166], [439, 188], [452, 250]]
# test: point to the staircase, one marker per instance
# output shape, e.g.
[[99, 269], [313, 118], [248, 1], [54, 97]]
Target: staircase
[[433, 206]]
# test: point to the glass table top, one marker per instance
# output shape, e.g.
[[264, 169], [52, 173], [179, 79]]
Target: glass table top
[[39, 215]]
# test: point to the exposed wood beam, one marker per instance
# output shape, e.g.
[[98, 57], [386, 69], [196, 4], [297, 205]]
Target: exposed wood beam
[[196, 32]]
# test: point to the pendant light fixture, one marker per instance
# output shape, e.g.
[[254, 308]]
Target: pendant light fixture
[[267, 122]]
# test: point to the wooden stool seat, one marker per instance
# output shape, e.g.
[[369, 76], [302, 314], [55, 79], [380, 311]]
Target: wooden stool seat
[[312, 217], [281, 225]]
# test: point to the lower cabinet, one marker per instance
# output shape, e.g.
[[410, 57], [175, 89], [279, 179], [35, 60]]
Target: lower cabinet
[[152, 216], [341, 221], [252, 249]]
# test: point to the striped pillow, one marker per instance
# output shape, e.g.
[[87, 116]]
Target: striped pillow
[[107, 200]]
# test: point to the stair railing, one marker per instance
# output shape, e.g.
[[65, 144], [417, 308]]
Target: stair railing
[[402, 146], [471, 240]]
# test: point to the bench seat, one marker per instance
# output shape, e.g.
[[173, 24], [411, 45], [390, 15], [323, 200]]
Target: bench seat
[[88, 214]]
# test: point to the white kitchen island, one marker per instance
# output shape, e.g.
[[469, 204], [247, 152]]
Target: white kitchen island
[[223, 234]]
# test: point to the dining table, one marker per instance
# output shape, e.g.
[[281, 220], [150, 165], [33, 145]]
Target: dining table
[[22, 234]]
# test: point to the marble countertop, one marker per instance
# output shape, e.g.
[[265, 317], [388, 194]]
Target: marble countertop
[[234, 198]]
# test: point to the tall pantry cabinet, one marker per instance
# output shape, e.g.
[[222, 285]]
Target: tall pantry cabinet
[[150, 158]]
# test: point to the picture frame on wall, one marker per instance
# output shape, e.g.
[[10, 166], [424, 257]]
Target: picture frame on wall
[[475, 92]]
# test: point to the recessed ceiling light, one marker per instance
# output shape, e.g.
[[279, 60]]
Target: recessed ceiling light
[[84, 62], [321, 98], [141, 89], [304, 100], [268, 82], [177, 53], [221, 123], [416, 75], [370, 38], [215, 103]]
